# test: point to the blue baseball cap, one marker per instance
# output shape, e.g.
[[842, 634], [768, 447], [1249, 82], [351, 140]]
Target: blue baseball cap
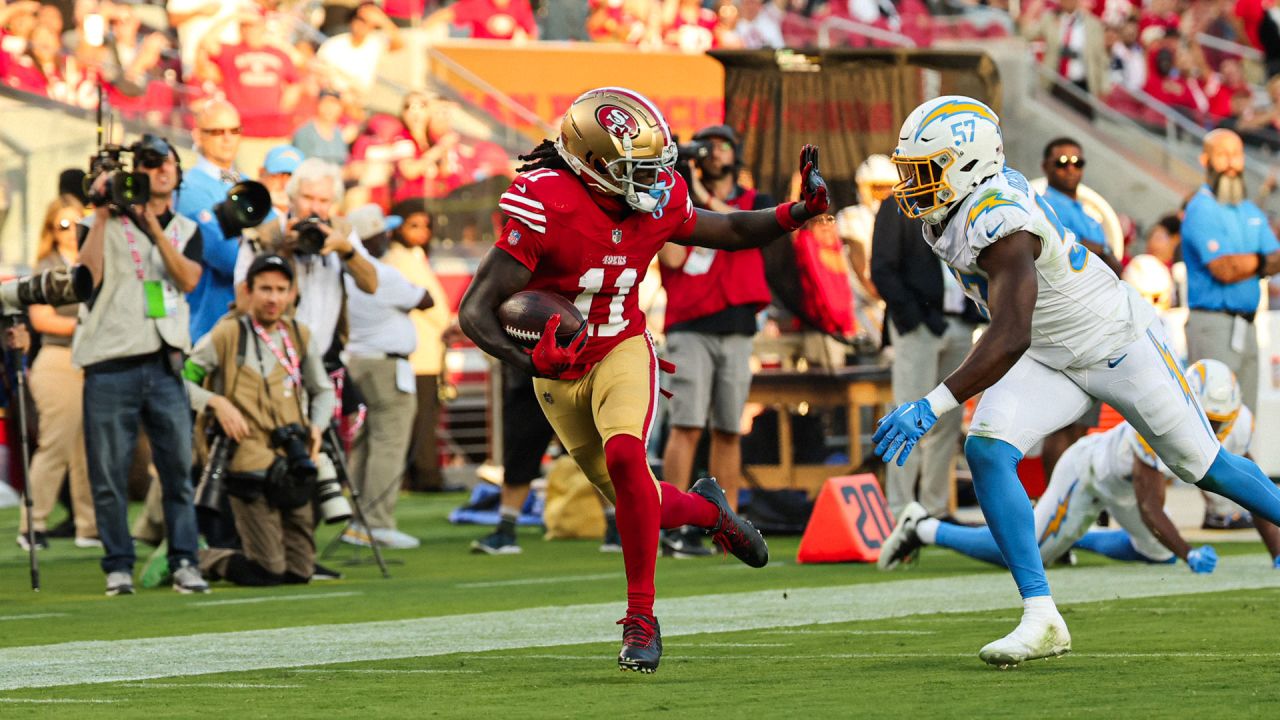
[[282, 159]]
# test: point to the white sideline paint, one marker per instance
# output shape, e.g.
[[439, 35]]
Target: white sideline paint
[[77, 663], [555, 580], [32, 616], [276, 598], [54, 701], [214, 685]]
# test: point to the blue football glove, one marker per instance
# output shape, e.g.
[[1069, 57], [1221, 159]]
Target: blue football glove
[[901, 430], [1276, 564], [1202, 559]]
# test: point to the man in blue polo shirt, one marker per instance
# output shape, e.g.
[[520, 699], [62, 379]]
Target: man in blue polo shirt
[[1228, 245], [1063, 166]]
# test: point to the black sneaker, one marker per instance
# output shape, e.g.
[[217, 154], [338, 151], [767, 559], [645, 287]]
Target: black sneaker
[[41, 538], [612, 542], [496, 543], [684, 542], [323, 573], [641, 644], [731, 533]]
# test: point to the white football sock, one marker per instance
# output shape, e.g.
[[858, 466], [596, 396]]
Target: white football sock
[[927, 530]]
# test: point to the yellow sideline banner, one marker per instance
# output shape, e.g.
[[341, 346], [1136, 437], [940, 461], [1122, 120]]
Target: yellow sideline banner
[[545, 78]]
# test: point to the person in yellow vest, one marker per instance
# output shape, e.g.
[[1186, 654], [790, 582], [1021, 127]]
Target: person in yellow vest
[[407, 252]]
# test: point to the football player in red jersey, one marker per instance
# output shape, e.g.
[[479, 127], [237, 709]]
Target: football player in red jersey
[[587, 215]]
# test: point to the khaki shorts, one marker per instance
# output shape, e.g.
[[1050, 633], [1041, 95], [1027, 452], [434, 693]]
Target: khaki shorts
[[712, 379], [617, 397]]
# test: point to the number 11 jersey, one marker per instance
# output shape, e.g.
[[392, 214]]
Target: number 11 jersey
[[594, 258]]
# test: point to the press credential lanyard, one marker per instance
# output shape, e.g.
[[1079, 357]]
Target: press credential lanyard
[[156, 297], [288, 359]]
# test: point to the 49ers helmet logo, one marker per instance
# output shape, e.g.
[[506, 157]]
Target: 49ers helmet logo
[[617, 122]]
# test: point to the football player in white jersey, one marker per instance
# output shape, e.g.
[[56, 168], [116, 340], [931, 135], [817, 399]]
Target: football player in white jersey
[[1064, 330], [1114, 471]]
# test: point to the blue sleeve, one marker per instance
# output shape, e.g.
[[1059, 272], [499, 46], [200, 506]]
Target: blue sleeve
[[1267, 243], [220, 252], [1199, 234]]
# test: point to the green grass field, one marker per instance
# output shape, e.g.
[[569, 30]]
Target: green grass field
[[455, 635]]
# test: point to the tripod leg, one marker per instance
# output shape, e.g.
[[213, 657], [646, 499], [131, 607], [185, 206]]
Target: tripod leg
[[341, 462], [17, 366]]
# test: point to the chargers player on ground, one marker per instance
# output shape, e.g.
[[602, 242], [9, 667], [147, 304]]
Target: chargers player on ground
[[587, 216], [1064, 329], [1114, 471]]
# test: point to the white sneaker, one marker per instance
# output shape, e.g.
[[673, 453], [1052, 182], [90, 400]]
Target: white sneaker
[[394, 539], [88, 542], [355, 534], [1041, 634], [119, 583], [187, 579], [902, 543]]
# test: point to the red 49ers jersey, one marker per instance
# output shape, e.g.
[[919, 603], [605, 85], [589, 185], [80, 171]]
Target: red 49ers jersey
[[577, 250]]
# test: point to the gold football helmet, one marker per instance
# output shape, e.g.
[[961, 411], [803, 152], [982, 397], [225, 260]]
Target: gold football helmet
[[617, 141]]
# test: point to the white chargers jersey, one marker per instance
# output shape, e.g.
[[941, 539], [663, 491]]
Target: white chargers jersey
[[1083, 312]]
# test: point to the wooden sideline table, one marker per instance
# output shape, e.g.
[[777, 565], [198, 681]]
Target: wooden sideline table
[[853, 387]]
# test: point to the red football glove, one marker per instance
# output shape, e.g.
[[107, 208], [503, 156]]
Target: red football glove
[[551, 360], [813, 189]]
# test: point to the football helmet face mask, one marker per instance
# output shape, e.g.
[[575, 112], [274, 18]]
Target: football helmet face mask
[[1219, 394], [618, 142], [946, 147]]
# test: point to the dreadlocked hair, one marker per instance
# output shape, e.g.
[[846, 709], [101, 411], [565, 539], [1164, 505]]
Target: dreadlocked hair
[[543, 157]]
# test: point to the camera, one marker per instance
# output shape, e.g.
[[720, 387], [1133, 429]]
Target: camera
[[64, 286], [125, 187], [334, 507], [692, 151], [212, 488], [294, 440], [310, 234], [246, 205]]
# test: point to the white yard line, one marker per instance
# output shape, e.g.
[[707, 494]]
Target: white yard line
[[54, 701], [276, 598], [32, 616], [851, 632], [384, 671], [77, 663], [554, 580], [214, 685]]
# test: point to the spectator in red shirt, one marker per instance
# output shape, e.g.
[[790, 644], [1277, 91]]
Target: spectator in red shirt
[[374, 155], [1262, 127], [688, 26], [1159, 13], [45, 70], [489, 19], [260, 80], [624, 21], [444, 160], [1228, 92]]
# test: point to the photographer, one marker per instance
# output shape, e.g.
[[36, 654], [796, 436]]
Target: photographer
[[131, 339], [254, 376], [712, 300], [322, 248]]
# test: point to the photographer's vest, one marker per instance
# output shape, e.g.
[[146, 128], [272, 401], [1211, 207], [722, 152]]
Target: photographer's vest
[[114, 323], [262, 401]]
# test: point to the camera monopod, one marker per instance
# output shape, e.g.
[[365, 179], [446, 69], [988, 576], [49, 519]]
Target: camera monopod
[[14, 362], [340, 464]]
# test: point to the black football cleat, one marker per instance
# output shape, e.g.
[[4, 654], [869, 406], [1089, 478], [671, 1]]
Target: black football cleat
[[641, 644], [731, 532]]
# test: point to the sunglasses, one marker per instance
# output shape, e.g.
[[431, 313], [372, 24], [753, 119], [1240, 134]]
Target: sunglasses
[[1065, 160], [219, 132]]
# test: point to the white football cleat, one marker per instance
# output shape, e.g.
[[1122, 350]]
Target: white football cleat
[[1041, 634], [903, 542]]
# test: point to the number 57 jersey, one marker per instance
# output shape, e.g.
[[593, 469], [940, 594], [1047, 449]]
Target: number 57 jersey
[[593, 257], [1083, 311]]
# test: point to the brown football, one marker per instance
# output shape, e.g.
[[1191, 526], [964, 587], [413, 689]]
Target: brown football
[[525, 314]]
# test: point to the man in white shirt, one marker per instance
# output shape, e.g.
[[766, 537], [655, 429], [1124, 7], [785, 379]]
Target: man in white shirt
[[355, 55], [382, 338]]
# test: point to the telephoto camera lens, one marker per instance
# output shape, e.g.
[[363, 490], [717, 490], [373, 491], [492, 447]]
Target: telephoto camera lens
[[213, 479], [334, 507]]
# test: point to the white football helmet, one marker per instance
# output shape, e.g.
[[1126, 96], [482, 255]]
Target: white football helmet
[[1152, 279], [1219, 393], [875, 179], [947, 146]]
